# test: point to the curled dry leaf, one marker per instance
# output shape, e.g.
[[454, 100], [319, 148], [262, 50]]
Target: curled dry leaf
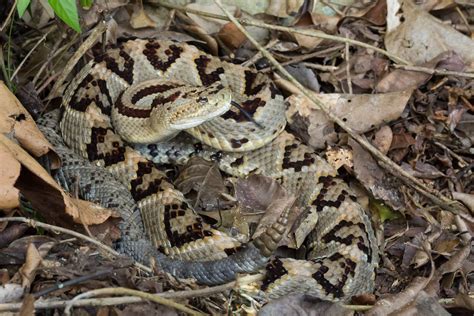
[[32, 262], [260, 193], [360, 112], [203, 177], [467, 199], [417, 36], [383, 139]]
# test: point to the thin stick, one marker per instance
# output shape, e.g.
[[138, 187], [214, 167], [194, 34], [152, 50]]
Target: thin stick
[[55, 229], [41, 40], [312, 33], [435, 71], [348, 68], [108, 301], [434, 195], [124, 291], [9, 16]]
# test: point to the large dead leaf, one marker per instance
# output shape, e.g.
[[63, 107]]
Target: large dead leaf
[[417, 36], [203, 177], [360, 112]]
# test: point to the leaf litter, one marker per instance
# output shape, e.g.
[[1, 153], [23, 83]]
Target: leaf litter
[[420, 115]]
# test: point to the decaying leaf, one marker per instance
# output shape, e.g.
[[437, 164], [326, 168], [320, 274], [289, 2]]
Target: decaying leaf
[[204, 178], [313, 125], [140, 18], [417, 36], [374, 178], [9, 172], [260, 193], [303, 306]]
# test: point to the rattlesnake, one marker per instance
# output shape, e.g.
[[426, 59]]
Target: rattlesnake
[[140, 85]]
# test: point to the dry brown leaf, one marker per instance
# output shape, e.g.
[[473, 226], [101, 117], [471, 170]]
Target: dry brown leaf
[[400, 79], [35, 183], [417, 36], [9, 173], [383, 139], [467, 199], [14, 119], [231, 36], [28, 269], [280, 8], [204, 178], [375, 179], [27, 306], [258, 192], [464, 300], [92, 214], [360, 112], [140, 18]]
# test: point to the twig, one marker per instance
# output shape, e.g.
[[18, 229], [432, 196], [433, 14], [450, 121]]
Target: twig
[[434, 195], [54, 228], [28, 55], [312, 33], [108, 301], [307, 56], [12, 10], [320, 67], [48, 60], [348, 68], [462, 162], [435, 71], [125, 291]]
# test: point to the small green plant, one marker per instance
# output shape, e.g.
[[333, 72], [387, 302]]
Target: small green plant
[[66, 10]]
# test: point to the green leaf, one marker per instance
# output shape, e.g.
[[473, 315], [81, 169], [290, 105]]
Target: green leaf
[[385, 212], [66, 10], [86, 4], [21, 6]]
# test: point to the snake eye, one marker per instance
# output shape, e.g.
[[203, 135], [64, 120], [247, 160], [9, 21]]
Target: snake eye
[[202, 100]]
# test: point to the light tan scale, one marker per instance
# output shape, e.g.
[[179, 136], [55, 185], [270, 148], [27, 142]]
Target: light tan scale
[[148, 91]]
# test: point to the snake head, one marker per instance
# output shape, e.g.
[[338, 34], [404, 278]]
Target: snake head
[[196, 105]]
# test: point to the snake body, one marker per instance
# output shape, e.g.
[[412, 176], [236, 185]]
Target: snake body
[[143, 91]]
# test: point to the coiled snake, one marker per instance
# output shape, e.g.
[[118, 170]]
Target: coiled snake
[[147, 91]]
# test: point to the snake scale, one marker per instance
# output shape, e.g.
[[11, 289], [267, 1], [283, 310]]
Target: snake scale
[[121, 112]]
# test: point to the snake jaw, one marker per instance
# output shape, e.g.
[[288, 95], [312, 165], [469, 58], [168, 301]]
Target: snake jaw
[[201, 108]]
